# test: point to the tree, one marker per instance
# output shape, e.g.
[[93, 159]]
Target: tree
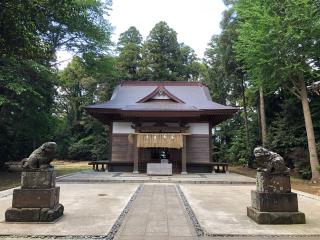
[[81, 83], [189, 68], [279, 45], [129, 48], [262, 114], [161, 53], [216, 79], [31, 33], [36, 29], [226, 77], [26, 99], [76, 90]]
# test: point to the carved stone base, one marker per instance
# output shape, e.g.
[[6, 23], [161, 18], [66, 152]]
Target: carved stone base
[[34, 214], [276, 217], [38, 198], [273, 183], [40, 179], [274, 202], [35, 198]]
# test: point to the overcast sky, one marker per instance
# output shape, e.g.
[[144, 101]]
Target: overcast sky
[[194, 21]]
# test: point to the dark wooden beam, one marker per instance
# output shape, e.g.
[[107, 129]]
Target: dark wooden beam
[[135, 155], [184, 156], [210, 142]]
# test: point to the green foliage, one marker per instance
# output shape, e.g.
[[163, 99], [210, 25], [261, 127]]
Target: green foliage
[[271, 45], [89, 142], [262, 43], [161, 53], [189, 68], [129, 48], [163, 58], [31, 33], [226, 82], [81, 83], [287, 128], [35, 29], [239, 151], [277, 40], [278, 45], [25, 109]]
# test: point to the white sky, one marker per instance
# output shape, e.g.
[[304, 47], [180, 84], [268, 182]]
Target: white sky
[[194, 21]]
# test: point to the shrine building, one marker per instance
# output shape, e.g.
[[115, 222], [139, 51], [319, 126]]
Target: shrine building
[[149, 118]]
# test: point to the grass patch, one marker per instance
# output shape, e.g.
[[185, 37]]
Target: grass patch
[[12, 179], [67, 167]]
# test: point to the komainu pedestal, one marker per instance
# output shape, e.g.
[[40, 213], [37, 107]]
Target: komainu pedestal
[[272, 201], [37, 200]]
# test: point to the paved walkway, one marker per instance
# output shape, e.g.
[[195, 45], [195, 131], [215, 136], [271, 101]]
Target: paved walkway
[[159, 210], [157, 213], [90, 209], [116, 177], [221, 210]]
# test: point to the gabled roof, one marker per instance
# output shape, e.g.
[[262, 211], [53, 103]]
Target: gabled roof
[[160, 93], [147, 96]]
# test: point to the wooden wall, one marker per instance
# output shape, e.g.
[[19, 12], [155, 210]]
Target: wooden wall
[[198, 148], [120, 148]]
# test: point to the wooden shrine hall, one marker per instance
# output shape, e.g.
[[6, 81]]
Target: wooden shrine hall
[[152, 119]]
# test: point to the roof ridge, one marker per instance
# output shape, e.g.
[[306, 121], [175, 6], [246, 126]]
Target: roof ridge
[[162, 83]]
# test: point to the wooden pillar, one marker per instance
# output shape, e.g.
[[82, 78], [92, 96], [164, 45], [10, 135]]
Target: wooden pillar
[[210, 143], [184, 156], [135, 155], [110, 133], [130, 148]]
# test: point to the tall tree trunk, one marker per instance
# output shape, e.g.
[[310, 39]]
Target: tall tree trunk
[[263, 118], [314, 162], [246, 120]]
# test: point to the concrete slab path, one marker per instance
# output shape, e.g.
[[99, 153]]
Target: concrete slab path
[[90, 209], [157, 213], [221, 210]]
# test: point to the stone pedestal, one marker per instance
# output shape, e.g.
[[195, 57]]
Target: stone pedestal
[[37, 200], [164, 160], [159, 169], [273, 202]]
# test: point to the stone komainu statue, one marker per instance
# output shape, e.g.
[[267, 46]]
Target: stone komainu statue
[[41, 157], [269, 162]]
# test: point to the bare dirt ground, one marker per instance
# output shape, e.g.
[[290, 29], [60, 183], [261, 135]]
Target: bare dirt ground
[[298, 184], [12, 179]]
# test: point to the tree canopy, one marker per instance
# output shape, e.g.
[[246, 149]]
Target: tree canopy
[[31, 33], [279, 46], [262, 61], [129, 48]]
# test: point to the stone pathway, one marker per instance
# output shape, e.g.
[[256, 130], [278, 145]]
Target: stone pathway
[[157, 213], [116, 177]]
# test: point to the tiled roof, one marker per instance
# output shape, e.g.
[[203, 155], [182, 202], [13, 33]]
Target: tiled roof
[[185, 96]]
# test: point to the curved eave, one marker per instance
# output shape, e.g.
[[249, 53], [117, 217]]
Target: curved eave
[[213, 115]]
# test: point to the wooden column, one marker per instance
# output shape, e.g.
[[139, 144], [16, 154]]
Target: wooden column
[[109, 153], [210, 143], [184, 156], [135, 155], [130, 148]]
